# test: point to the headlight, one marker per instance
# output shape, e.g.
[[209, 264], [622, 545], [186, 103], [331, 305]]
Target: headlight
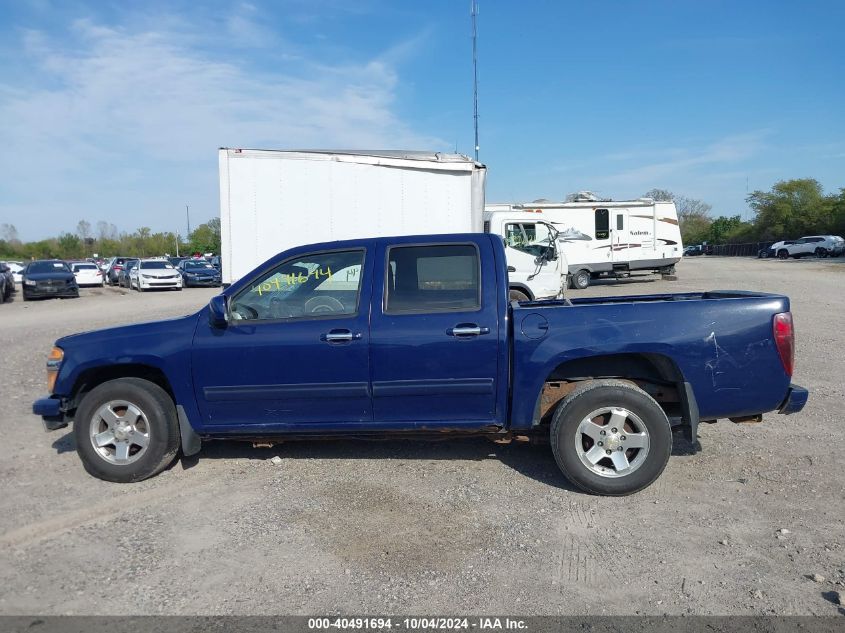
[[54, 361], [29, 282]]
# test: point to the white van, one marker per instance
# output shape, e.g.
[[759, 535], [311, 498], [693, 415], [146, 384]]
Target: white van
[[604, 237], [537, 265]]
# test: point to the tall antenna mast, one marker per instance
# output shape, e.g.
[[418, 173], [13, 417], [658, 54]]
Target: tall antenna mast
[[474, 13]]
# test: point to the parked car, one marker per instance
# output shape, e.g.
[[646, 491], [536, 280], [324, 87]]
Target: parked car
[[150, 274], [123, 274], [87, 274], [113, 268], [198, 272], [692, 251], [48, 278], [416, 335], [813, 245], [8, 282], [175, 261], [773, 250], [17, 271], [214, 260]]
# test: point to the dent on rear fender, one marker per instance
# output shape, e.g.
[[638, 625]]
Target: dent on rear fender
[[722, 366]]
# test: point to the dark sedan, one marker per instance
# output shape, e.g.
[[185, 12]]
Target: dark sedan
[[123, 274], [199, 272], [8, 282], [48, 278]]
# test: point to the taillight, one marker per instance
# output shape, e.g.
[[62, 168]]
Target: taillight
[[785, 340]]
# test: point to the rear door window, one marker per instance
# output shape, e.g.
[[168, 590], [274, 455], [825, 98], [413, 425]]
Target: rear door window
[[432, 278]]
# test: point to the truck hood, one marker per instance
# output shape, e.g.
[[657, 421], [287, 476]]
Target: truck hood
[[157, 272], [123, 337]]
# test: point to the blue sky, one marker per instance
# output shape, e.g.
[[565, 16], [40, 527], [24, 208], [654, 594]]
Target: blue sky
[[114, 110]]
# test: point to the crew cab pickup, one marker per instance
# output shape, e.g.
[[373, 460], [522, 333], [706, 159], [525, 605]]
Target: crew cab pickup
[[416, 336]]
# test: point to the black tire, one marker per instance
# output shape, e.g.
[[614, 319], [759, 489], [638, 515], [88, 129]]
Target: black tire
[[581, 279], [515, 294], [163, 429], [764, 254], [592, 396], [783, 254], [821, 252]]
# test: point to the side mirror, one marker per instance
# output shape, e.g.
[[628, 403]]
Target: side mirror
[[218, 311]]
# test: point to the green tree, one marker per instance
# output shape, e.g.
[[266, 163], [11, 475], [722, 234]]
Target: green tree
[[791, 209], [70, 246], [722, 228], [206, 237]]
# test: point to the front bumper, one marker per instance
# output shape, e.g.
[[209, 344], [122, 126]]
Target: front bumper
[[149, 284], [51, 412], [202, 281], [42, 293], [795, 400]]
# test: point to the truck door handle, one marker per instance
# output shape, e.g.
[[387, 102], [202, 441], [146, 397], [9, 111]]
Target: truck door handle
[[511, 269], [339, 336], [469, 329]]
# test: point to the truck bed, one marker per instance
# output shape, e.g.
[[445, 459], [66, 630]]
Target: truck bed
[[718, 342]]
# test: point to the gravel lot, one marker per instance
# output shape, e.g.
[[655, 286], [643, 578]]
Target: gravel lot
[[459, 526]]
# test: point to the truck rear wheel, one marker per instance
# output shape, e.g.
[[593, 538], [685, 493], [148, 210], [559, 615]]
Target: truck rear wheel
[[610, 438], [581, 279], [126, 430]]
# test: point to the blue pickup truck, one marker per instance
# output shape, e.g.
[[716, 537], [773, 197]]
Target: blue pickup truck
[[416, 337]]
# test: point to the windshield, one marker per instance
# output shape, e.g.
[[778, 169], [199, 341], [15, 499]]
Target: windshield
[[155, 265], [48, 267], [84, 267]]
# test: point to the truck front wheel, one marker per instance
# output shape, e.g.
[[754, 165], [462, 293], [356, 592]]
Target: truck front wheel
[[610, 438], [126, 430]]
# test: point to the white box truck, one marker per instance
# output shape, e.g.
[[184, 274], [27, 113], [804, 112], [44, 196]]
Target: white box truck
[[608, 237], [272, 200]]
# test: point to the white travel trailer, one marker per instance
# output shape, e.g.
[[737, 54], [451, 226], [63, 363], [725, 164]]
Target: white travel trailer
[[603, 237], [272, 200]]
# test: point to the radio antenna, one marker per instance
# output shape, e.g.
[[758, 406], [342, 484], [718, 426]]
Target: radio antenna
[[474, 13]]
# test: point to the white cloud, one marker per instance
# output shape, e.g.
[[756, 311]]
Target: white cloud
[[116, 107], [674, 162]]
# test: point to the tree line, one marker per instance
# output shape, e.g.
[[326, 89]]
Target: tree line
[[106, 242], [790, 209]]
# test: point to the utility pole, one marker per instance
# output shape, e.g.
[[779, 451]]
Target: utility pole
[[177, 243], [188, 215], [474, 13]]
